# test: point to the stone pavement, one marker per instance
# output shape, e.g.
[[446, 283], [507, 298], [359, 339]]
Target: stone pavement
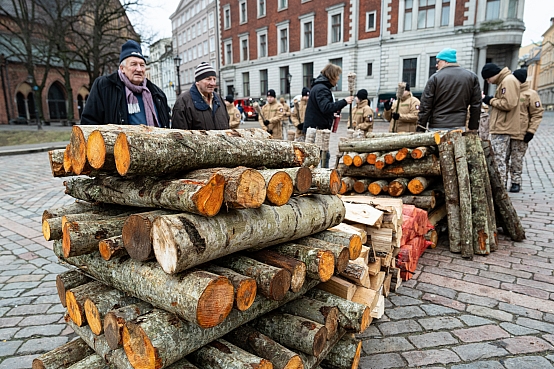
[[492, 312]]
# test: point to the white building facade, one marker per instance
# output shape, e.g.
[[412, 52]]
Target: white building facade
[[161, 69]]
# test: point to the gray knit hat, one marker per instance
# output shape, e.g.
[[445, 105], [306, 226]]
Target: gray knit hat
[[203, 70]]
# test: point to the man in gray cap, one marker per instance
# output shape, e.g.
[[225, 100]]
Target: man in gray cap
[[200, 107], [126, 96]]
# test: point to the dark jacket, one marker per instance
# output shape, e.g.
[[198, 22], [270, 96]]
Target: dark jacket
[[192, 112], [446, 97], [106, 103], [321, 107]]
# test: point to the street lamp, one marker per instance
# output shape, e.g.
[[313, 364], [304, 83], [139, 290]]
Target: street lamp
[[31, 81], [289, 79], [177, 61]]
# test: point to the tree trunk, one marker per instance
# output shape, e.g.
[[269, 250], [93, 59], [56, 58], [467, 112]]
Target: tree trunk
[[403, 153], [296, 268], [294, 332], [428, 166], [360, 159], [361, 185], [279, 186], [325, 181], [347, 185], [245, 286], [111, 247], [272, 282], [81, 238], [317, 311], [320, 264], [204, 198], [141, 154], [451, 191], [115, 319], [345, 354], [137, 234], [221, 354], [398, 187], [52, 229], [63, 356], [464, 192], [391, 143], [421, 152], [78, 147], [198, 296], [352, 241], [372, 157], [76, 207], [261, 345], [97, 305], [68, 280], [348, 158], [380, 186], [490, 202], [185, 240], [75, 299], [390, 157], [419, 184], [93, 361], [340, 252]]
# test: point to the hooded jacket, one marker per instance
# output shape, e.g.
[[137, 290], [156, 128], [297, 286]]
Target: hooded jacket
[[530, 109], [273, 112], [234, 116], [299, 113], [321, 107], [408, 111], [504, 106], [106, 103], [362, 117], [192, 112]]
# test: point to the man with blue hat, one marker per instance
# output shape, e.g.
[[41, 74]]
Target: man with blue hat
[[448, 94], [127, 96]]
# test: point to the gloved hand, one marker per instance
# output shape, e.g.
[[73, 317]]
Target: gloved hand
[[387, 104], [487, 99], [395, 116], [300, 127], [528, 137], [266, 122]]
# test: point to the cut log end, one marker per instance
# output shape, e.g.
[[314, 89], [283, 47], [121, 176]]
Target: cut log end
[[342, 260], [215, 303], [335, 182], [279, 188], [280, 284], [326, 265], [320, 339], [46, 231], [60, 287], [295, 362], [78, 150], [66, 239], [209, 198], [96, 150], [75, 310], [343, 188], [109, 248], [94, 318], [366, 320], [360, 186], [374, 188], [122, 154], [245, 294], [251, 192], [136, 236], [139, 349], [415, 186], [303, 179], [67, 159], [355, 246], [331, 321], [112, 330]]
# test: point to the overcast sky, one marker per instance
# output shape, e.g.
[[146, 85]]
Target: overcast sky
[[155, 18]]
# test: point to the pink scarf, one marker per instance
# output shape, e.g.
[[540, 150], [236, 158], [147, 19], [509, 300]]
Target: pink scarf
[[132, 101]]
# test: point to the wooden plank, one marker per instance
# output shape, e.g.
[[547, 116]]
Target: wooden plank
[[339, 287], [363, 213]]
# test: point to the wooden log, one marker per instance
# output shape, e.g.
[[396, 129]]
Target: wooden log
[[100, 147], [464, 195], [245, 286], [377, 187], [315, 310], [63, 356], [325, 181], [339, 287], [380, 162], [419, 184], [301, 178], [221, 354], [111, 247], [259, 344], [97, 305], [198, 296], [56, 162], [361, 185], [78, 147], [356, 273], [490, 202], [347, 228], [352, 241], [437, 215], [360, 159], [244, 187], [352, 315], [296, 268], [398, 186], [372, 157], [101, 214], [193, 196], [507, 214], [68, 280], [279, 186], [421, 152], [81, 238], [387, 134], [422, 202], [136, 153], [345, 354], [391, 143], [293, 331], [73, 208], [390, 157], [320, 264], [136, 234], [272, 282], [93, 361], [403, 153], [185, 240], [348, 158], [115, 319], [340, 252], [347, 185], [433, 237], [311, 361], [75, 300], [451, 191], [67, 159], [52, 229], [429, 166]]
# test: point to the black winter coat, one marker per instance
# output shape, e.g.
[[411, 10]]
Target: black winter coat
[[192, 112], [106, 103], [321, 107]]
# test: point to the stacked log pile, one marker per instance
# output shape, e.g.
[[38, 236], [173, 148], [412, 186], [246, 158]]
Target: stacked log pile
[[202, 269]]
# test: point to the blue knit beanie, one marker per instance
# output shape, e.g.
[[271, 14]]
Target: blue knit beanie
[[448, 55], [130, 48]]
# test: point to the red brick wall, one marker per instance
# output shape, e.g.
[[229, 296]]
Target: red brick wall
[[395, 9], [365, 7], [459, 17]]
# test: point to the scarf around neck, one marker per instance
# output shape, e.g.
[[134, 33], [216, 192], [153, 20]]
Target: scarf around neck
[[132, 101]]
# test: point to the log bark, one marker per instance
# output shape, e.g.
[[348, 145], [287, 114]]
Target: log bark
[[294, 332], [272, 282], [68, 280], [312, 362], [490, 202], [422, 202], [349, 229], [279, 186], [115, 319], [429, 166], [320, 264], [317, 311], [75, 299], [360, 159], [357, 273], [350, 240], [437, 215], [380, 162], [296, 268], [111, 247], [261, 345], [451, 191], [464, 195], [390, 157], [198, 296], [391, 143], [93, 361], [111, 212], [221, 354], [244, 187], [78, 147], [199, 197], [398, 187], [56, 162], [347, 185], [340, 252], [377, 187], [421, 152], [345, 354], [301, 178], [361, 185], [348, 158], [419, 184], [137, 153], [245, 286], [325, 181], [506, 211], [81, 238], [52, 229], [97, 305], [76, 207], [63, 356], [372, 157], [136, 234], [403, 153], [185, 240]]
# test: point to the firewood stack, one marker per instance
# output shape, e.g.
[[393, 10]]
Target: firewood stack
[[184, 258]]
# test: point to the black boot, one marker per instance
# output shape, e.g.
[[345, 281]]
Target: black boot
[[515, 187]]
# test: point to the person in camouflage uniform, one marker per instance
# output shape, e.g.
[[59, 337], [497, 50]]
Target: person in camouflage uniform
[[297, 116], [362, 114], [272, 114], [408, 112], [504, 113], [531, 111]]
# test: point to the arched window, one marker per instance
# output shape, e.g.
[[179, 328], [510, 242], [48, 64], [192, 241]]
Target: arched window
[[56, 102], [20, 100]]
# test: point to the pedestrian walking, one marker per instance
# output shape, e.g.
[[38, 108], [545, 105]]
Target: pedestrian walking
[[272, 115], [405, 112]]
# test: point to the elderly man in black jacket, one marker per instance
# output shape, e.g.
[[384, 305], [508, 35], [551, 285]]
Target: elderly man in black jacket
[[126, 96]]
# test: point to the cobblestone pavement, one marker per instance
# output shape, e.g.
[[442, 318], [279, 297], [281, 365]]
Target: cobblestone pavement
[[492, 312]]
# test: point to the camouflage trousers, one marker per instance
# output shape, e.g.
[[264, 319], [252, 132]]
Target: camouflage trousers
[[484, 121], [500, 145], [514, 160]]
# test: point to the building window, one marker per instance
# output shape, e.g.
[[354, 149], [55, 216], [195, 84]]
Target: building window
[[193, 32], [211, 20], [246, 84], [212, 44], [445, 13], [369, 69], [409, 68], [283, 73], [512, 9], [370, 21], [243, 12], [432, 65], [408, 15], [262, 45], [336, 28], [189, 37], [283, 4], [228, 53], [261, 8], [205, 47], [338, 62], [308, 35], [204, 25], [227, 17], [493, 10], [283, 40], [194, 55], [244, 49], [198, 29], [307, 74], [263, 82], [426, 14]]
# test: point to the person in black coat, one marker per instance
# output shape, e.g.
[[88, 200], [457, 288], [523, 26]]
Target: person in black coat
[[126, 96]]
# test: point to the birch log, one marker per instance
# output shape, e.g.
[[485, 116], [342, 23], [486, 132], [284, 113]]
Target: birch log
[[76, 207], [63, 356], [403, 153], [325, 181], [377, 187], [97, 305], [372, 157], [296, 268], [350, 240], [78, 147], [136, 234], [75, 299], [419, 184], [221, 354], [347, 185], [279, 186], [398, 186], [93, 361], [391, 143], [320, 264], [301, 178], [185, 240], [111, 247], [81, 238], [345, 354], [68, 280], [245, 286], [464, 195], [361, 185], [428, 166], [116, 318], [341, 252], [360, 159], [317, 311], [348, 158]]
